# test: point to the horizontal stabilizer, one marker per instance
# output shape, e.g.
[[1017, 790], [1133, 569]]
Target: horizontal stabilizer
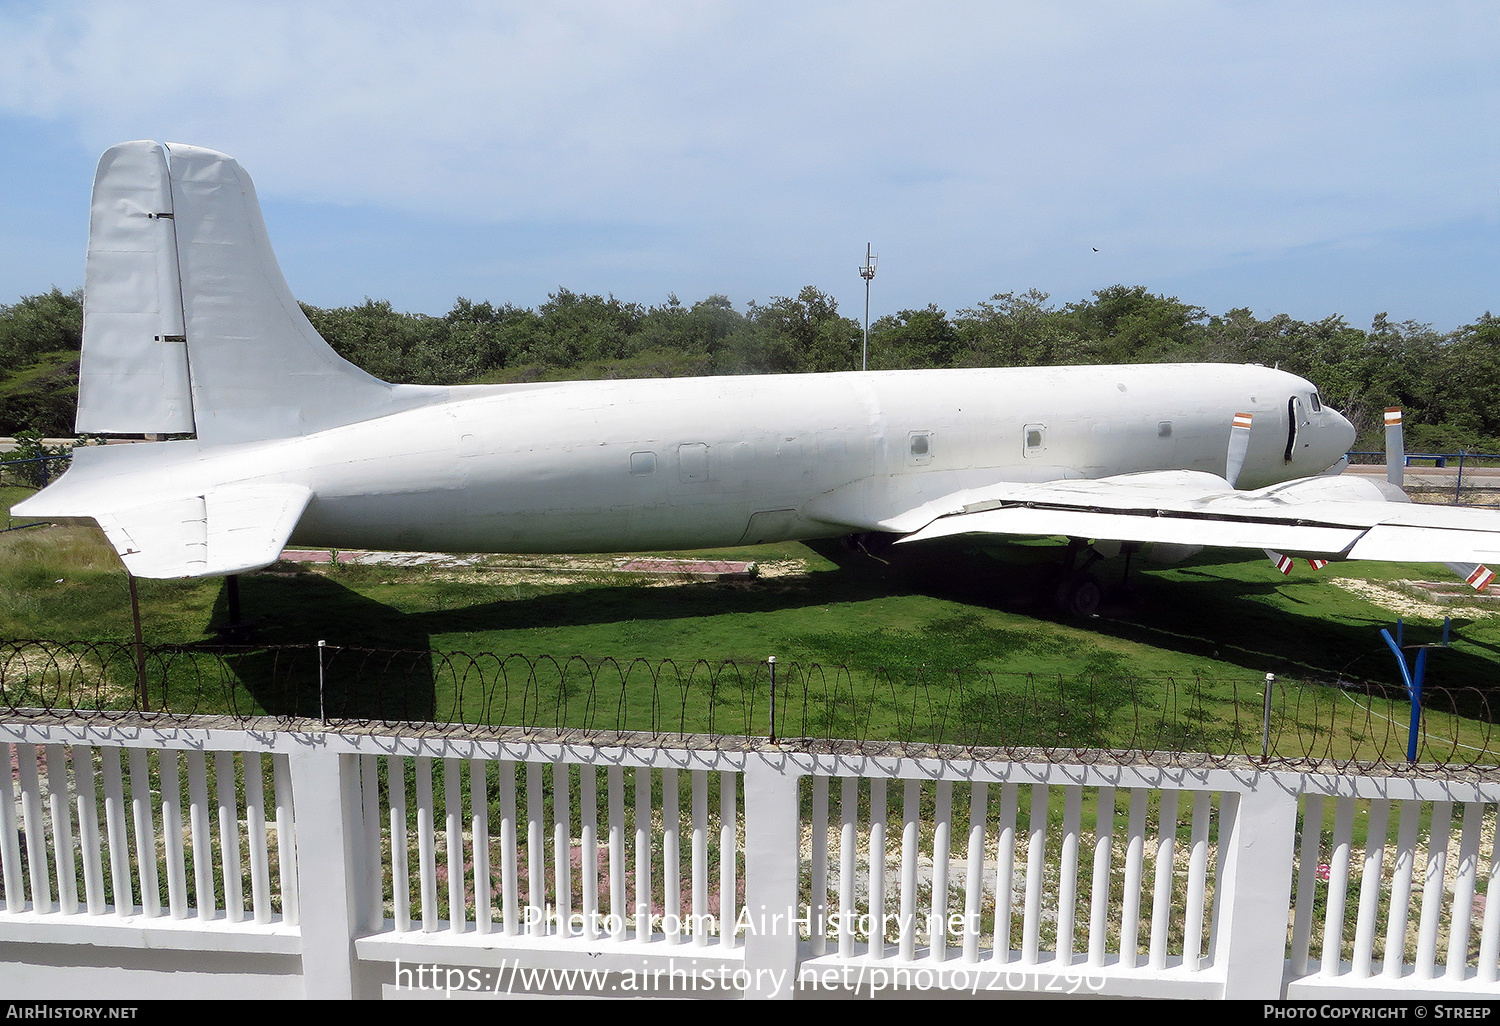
[[229, 530]]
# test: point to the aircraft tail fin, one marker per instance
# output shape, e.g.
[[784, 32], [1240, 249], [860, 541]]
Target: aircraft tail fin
[[189, 325], [133, 375]]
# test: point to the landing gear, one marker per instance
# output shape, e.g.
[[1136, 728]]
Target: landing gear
[[1125, 592], [1078, 593], [1075, 590]]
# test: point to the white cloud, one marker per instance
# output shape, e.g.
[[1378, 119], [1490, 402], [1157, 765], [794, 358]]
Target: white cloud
[[1176, 132]]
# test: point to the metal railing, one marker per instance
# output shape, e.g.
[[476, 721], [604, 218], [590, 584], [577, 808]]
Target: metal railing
[[1460, 471], [40, 477]]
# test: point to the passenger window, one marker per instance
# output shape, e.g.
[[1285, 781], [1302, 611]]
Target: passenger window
[[642, 464], [1164, 429], [1036, 439], [919, 448], [1317, 403]]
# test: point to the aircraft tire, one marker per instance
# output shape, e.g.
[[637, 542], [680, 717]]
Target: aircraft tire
[[1079, 594]]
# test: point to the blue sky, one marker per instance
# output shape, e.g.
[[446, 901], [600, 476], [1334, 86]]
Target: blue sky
[[1313, 159]]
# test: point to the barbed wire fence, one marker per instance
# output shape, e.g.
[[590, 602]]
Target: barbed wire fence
[[1025, 716]]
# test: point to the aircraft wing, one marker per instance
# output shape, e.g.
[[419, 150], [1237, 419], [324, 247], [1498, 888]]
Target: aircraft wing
[[1330, 517]]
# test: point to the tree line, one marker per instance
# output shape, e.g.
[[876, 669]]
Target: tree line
[[1443, 380]]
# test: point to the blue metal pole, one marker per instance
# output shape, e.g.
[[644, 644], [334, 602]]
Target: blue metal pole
[[1411, 690], [1415, 729], [1411, 678], [1395, 646]]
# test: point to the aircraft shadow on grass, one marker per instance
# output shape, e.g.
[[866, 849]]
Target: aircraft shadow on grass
[[1199, 612], [376, 664], [376, 667]]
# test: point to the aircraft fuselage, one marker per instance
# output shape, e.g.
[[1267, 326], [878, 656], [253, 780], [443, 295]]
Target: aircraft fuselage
[[700, 462]]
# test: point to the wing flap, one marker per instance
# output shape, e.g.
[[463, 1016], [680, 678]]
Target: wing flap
[[1328, 517], [1415, 544], [1114, 526]]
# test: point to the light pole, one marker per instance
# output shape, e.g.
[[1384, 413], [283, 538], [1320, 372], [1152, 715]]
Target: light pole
[[867, 272]]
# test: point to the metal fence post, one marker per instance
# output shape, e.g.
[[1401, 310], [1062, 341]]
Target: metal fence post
[[322, 704], [771, 662], [1265, 735]]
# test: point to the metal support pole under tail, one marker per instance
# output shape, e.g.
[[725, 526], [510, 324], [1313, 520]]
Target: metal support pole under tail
[[236, 630], [140, 645], [1412, 677], [867, 272], [232, 597]]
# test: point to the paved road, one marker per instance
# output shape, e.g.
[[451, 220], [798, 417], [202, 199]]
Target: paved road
[[1438, 477], [7, 444]]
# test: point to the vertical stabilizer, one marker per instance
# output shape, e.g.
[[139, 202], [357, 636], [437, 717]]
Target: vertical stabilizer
[[133, 376], [259, 368], [189, 325]]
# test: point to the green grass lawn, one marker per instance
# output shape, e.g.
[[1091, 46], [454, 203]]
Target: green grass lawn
[[949, 643]]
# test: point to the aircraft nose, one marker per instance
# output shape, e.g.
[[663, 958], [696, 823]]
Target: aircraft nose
[[1345, 432], [1338, 435]]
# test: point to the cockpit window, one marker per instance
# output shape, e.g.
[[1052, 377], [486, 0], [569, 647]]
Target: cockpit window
[[1317, 402]]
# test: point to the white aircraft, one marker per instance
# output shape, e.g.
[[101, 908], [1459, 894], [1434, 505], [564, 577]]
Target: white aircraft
[[190, 328]]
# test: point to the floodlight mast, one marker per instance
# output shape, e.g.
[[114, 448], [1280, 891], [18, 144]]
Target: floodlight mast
[[867, 272]]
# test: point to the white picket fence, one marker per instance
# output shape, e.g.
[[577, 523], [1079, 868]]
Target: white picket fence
[[209, 861]]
